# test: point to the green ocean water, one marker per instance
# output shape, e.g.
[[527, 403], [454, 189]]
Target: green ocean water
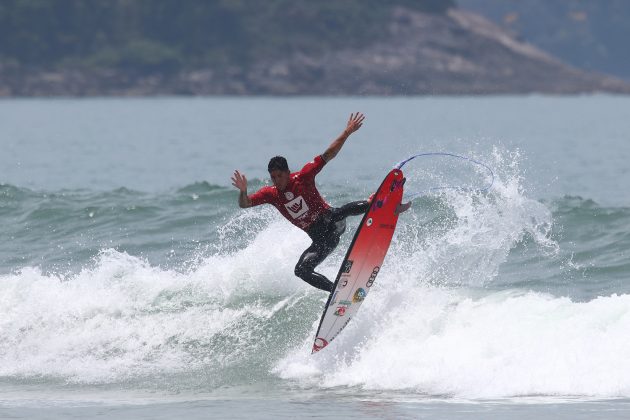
[[131, 284]]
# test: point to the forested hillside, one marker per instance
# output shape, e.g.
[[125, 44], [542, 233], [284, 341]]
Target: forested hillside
[[270, 47], [168, 35]]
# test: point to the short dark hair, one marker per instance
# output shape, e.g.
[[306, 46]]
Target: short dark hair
[[278, 163]]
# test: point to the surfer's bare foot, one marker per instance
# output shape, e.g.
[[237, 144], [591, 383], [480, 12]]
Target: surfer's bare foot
[[370, 198], [402, 207]]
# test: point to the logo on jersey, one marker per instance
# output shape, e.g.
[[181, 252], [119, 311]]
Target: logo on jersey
[[289, 195], [296, 207]]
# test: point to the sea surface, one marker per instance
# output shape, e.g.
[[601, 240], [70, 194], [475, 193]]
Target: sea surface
[[132, 285]]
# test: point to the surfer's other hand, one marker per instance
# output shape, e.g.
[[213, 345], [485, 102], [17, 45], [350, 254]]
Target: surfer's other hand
[[239, 181]]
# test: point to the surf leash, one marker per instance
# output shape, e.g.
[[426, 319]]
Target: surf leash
[[447, 187]]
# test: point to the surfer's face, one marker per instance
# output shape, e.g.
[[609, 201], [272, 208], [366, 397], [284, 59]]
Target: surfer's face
[[279, 178]]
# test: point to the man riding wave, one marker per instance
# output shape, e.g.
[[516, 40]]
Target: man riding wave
[[295, 195]]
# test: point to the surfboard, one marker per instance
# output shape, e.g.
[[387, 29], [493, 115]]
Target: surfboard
[[363, 260]]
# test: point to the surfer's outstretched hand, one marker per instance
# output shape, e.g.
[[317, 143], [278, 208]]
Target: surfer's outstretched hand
[[354, 123], [239, 181]]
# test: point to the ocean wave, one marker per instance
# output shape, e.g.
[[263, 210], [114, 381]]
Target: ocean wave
[[482, 295], [124, 319]]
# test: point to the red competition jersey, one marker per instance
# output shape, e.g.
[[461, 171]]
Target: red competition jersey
[[300, 202]]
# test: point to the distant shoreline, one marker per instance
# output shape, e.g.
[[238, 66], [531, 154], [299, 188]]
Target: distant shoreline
[[456, 53]]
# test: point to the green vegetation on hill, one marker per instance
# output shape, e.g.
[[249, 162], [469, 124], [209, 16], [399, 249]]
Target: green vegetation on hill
[[170, 35]]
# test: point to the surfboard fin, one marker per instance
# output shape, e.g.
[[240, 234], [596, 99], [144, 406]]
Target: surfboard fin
[[401, 208]]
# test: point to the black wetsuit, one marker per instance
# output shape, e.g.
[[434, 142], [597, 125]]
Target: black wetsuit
[[325, 233]]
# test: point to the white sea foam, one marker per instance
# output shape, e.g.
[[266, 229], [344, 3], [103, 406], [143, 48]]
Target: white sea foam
[[124, 318], [473, 235], [441, 342]]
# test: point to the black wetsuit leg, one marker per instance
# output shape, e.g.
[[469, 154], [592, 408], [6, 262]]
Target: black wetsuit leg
[[325, 233], [354, 208], [311, 258]]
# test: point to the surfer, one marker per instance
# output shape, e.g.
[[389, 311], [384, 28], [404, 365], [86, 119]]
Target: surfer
[[296, 197]]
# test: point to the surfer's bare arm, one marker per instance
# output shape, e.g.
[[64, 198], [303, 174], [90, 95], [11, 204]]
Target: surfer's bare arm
[[240, 181], [354, 123]]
